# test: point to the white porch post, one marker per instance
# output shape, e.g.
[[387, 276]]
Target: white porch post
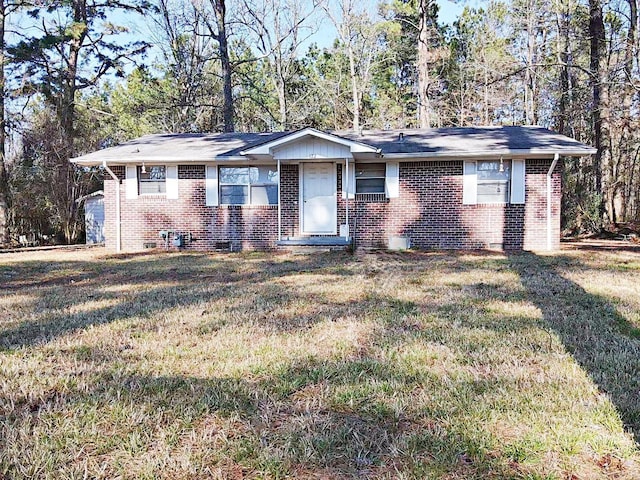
[[346, 172], [279, 205]]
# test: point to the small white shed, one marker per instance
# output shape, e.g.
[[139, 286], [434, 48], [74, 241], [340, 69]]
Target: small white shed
[[94, 216]]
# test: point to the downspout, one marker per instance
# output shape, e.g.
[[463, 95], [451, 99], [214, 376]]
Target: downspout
[[279, 206], [556, 157], [118, 220], [346, 172]]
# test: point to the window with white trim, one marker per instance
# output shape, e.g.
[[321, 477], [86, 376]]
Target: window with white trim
[[370, 177], [248, 185], [152, 180], [494, 181]]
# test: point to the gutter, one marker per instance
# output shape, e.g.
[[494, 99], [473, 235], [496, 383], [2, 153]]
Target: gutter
[[118, 220], [87, 161], [417, 156], [556, 157], [487, 154]]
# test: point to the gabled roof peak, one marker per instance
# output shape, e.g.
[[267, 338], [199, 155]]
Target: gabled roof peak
[[269, 146]]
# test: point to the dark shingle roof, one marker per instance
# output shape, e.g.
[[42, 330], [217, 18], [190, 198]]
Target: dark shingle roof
[[464, 140], [179, 146], [428, 143]]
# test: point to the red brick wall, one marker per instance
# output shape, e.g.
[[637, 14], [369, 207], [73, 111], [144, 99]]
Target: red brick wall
[[210, 227], [290, 196], [429, 211]]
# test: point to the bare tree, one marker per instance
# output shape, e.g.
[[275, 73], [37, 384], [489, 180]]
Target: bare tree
[[185, 51], [4, 183], [598, 80], [624, 188], [360, 37], [214, 14], [427, 32], [279, 28]]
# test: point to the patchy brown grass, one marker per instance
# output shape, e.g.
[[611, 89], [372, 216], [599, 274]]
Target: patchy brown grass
[[418, 365]]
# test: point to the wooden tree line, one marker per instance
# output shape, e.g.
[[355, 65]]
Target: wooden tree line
[[73, 80]]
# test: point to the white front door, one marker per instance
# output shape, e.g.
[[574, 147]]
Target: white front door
[[319, 212]]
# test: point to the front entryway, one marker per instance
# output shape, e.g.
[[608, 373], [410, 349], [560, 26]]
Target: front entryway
[[319, 209]]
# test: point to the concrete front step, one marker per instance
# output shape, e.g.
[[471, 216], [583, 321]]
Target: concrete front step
[[324, 241]]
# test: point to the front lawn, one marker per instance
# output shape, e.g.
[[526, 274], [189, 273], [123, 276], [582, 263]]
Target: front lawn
[[417, 365]]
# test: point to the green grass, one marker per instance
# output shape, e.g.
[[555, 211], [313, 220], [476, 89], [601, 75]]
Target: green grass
[[418, 365]]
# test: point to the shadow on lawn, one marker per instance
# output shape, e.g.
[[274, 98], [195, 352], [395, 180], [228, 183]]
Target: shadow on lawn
[[282, 420], [126, 284], [266, 426], [600, 339], [323, 415]]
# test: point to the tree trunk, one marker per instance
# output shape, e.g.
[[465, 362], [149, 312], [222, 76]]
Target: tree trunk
[[355, 97], [64, 190], [626, 150], [485, 90], [424, 37], [599, 109], [562, 55], [281, 85], [282, 105], [4, 183], [219, 8], [530, 82], [280, 78]]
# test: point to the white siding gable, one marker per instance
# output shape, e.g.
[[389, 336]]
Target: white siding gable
[[310, 148]]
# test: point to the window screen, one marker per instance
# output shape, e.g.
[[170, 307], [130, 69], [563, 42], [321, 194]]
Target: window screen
[[153, 180], [493, 181], [370, 177], [249, 185]]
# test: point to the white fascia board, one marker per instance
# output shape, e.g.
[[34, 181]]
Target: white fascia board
[[97, 161], [267, 148], [244, 160], [523, 153]]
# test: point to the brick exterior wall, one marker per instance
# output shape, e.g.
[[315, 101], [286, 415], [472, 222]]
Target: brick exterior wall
[[235, 227], [429, 211], [290, 196]]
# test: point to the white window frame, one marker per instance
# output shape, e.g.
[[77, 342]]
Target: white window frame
[[222, 184], [140, 180], [506, 182], [382, 177], [516, 182]]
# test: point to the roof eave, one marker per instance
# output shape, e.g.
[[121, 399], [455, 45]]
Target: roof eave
[[96, 161]]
